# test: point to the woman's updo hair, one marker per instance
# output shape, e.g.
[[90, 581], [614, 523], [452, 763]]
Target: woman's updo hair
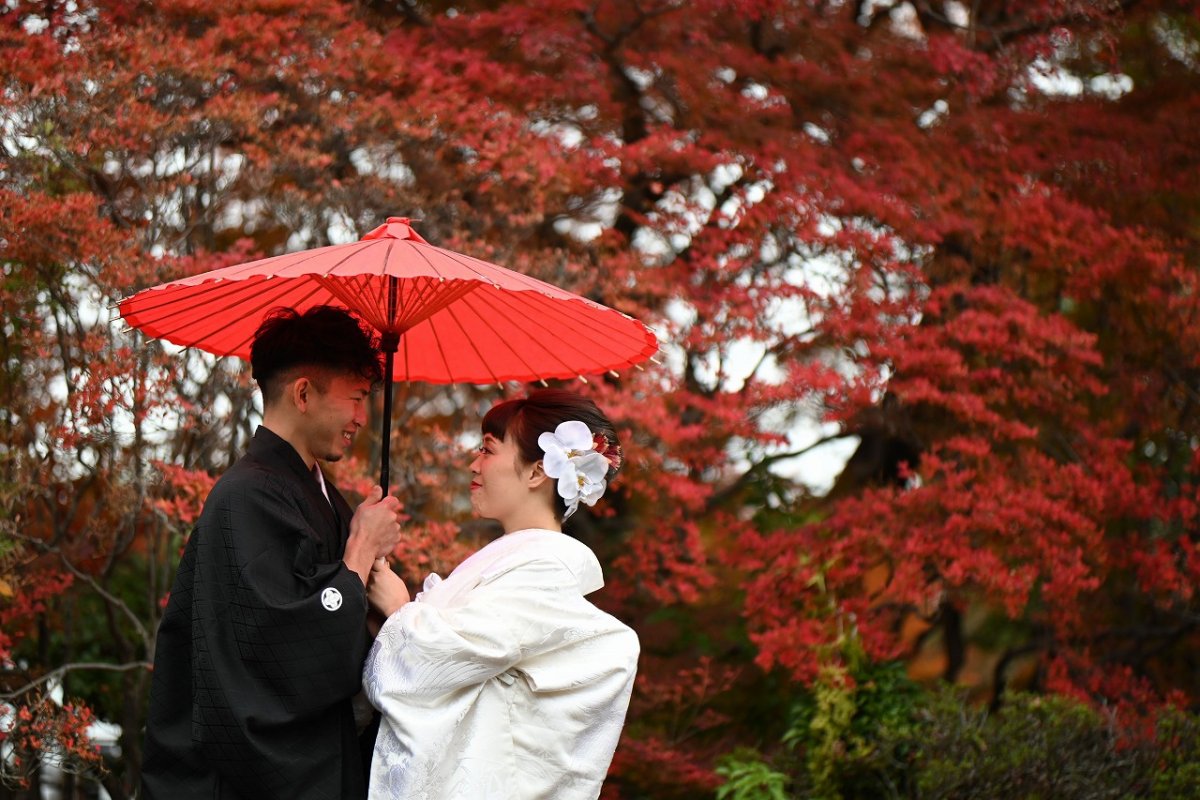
[[524, 419]]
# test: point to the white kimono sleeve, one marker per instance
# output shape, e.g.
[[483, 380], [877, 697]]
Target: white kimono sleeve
[[425, 651]]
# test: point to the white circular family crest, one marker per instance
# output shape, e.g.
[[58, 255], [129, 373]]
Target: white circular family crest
[[331, 598]]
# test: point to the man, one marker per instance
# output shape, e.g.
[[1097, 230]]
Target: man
[[261, 648]]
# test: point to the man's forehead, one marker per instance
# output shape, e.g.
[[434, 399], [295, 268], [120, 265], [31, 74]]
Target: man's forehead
[[318, 372], [352, 381]]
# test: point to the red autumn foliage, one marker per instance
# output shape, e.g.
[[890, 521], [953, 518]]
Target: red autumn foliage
[[43, 726]]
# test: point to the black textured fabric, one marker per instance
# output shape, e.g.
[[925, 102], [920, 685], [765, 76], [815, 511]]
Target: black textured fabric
[[262, 644]]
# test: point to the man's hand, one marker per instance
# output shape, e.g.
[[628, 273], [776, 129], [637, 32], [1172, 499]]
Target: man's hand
[[374, 532], [386, 592]]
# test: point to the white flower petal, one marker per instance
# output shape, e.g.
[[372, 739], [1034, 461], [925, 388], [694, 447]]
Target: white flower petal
[[568, 482], [593, 492], [574, 435], [592, 463], [554, 462]]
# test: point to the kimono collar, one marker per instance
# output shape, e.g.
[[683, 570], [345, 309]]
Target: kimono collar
[[271, 448], [574, 554], [270, 445]]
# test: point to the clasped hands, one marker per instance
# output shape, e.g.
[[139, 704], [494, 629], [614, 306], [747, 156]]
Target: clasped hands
[[374, 532], [386, 592]]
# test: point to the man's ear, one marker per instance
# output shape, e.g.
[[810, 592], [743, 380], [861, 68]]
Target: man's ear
[[299, 392]]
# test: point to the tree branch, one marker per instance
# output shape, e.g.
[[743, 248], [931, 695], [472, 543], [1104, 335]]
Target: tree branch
[[112, 600], [761, 465], [59, 671]]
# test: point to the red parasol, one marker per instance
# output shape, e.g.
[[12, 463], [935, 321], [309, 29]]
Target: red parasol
[[443, 317]]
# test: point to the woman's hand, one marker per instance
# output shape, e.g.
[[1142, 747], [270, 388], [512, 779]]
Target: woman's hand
[[385, 591]]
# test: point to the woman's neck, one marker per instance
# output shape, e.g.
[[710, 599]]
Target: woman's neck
[[532, 519]]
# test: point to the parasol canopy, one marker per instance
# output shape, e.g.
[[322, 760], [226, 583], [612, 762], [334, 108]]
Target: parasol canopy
[[443, 317]]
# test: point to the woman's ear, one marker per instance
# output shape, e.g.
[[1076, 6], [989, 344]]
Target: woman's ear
[[537, 476]]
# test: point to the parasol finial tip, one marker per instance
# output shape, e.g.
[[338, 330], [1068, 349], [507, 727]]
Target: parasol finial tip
[[395, 228]]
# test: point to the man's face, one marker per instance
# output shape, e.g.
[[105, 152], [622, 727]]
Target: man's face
[[335, 415]]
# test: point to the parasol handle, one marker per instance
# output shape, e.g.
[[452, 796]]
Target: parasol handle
[[388, 342]]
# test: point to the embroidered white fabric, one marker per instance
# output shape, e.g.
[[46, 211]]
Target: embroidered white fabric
[[502, 682]]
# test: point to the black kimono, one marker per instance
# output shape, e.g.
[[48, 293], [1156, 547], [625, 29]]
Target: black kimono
[[262, 645]]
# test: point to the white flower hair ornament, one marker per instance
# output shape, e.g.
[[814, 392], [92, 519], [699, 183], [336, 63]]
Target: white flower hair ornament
[[579, 461]]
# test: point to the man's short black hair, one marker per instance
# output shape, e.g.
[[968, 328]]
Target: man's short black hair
[[327, 338]]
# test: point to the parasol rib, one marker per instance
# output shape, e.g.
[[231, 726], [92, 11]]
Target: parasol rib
[[499, 339], [235, 294], [544, 316]]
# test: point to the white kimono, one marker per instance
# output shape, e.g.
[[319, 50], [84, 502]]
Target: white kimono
[[502, 681]]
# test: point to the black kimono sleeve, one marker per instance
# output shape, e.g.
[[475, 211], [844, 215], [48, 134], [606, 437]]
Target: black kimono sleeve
[[266, 637]]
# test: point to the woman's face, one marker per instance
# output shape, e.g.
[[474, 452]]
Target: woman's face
[[499, 479]]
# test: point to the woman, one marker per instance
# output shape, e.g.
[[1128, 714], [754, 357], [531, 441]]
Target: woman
[[503, 681]]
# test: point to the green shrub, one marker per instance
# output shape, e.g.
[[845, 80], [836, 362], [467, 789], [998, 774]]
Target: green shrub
[[1177, 772], [851, 731], [748, 777], [1037, 748], [866, 733]]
